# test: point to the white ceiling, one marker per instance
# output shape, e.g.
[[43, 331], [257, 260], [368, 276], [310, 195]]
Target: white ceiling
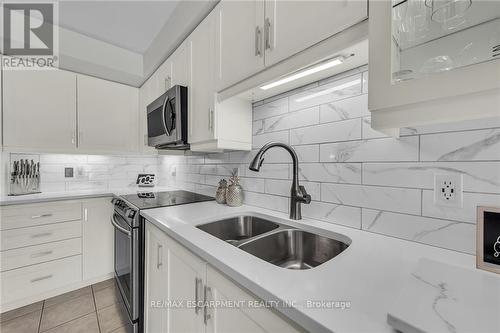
[[131, 25]]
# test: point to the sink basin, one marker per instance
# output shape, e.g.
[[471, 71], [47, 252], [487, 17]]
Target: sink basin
[[236, 229], [294, 249]]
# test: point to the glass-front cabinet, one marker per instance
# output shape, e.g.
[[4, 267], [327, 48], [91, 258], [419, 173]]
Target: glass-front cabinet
[[446, 51]]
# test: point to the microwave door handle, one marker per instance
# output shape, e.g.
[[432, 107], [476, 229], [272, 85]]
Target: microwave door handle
[[120, 228], [163, 116]]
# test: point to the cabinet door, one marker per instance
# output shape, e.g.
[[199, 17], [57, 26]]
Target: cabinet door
[[39, 109], [186, 276], [97, 238], [156, 281], [146, 96], [201, 117], [244, 318], [107, 116], [293, 26], [239, 40], [181, 66]]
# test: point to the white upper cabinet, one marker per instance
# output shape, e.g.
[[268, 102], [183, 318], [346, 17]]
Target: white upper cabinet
[[213, 126], [434, 61], [201, 109], [39, 110], [107, 116], [239, 40], [181, 65], [253, 35], [293, 26]]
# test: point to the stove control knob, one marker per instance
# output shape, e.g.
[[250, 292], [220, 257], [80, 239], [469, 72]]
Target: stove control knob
[[129, 213]]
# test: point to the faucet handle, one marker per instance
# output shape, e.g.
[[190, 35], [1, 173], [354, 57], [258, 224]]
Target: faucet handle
[[306, 198]]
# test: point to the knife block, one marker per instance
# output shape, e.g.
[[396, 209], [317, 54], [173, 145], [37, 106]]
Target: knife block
[[24, 174]]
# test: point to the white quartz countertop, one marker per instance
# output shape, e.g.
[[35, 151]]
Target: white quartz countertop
[[75, 195], [368, 275]]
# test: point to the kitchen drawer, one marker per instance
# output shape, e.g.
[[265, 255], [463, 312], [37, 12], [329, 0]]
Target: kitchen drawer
[[36, 254], [36, 279], [20, 216], [17, 238]]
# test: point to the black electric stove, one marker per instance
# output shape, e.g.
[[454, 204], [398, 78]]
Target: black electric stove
[[129, 244], [145, 200]]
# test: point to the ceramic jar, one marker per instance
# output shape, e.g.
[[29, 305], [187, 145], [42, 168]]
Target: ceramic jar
[[220, 194]]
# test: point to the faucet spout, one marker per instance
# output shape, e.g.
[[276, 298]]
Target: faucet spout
[[298, 193]]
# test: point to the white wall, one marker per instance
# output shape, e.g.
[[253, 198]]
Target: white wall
[[356, 176]]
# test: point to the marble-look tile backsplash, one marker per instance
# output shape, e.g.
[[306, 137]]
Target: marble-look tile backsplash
[[90, 172], [357, 176]]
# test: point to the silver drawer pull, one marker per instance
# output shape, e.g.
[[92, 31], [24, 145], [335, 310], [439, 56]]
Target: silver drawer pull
[[159, 261], [41, 254], [206, 315], [41, 278], [42, 234], [197, 285], [41, 215]]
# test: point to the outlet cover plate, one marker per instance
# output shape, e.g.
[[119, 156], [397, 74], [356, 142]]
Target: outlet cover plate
[[448, 190]]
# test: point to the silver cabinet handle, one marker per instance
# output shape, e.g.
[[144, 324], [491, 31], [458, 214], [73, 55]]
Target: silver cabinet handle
[[40, 216], [41, 278], [73, 137], [210, 120], [159, 262], [42, 234], [206, 315], [41, 254], [258, 39], [120, 228], [268, 33], [85, 214], [197, 285]]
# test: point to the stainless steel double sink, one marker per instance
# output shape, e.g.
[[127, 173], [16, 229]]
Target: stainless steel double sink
[[276, 243]]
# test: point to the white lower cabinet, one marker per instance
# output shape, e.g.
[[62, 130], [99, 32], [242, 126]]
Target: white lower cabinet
[[156, 286], [38, 279], [50, 248], [244, 319], [181, 290], [98, 238]]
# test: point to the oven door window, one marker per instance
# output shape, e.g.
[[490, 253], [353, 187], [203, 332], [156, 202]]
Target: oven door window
[[123, 258]]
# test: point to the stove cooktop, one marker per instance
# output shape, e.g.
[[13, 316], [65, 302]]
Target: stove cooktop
[[146, 199]]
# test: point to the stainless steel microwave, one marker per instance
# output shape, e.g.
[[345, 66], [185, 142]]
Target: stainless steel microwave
[[167, 120]]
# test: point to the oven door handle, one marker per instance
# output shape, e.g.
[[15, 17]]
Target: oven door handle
[[120, 228]]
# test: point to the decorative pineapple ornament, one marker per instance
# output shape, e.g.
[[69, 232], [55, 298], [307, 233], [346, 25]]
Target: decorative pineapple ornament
[[220, 194], [234, 194]]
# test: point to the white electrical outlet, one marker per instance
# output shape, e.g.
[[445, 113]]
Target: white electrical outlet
[[448, 190]]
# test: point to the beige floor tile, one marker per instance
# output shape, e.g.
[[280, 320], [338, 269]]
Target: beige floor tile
[[27, 323], [107, 296], [103, 284], [112, 317], [123, 329], [67, 296], [63, 312], [21, 311], [85, 324]]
